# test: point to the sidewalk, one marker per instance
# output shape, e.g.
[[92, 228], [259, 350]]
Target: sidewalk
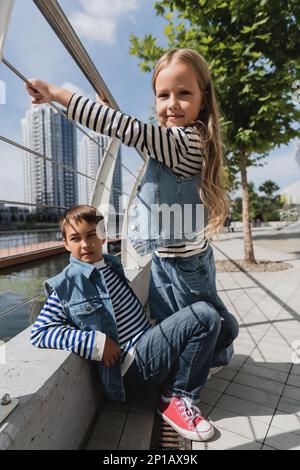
[[255, 401]]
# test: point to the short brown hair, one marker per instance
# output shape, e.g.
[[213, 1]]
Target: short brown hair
[[77, 214]]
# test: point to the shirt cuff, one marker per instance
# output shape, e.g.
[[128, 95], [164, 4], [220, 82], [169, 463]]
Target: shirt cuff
[[99, 344]]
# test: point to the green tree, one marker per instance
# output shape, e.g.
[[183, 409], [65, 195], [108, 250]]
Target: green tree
[[271, 203], [252, 47], [268, 204]]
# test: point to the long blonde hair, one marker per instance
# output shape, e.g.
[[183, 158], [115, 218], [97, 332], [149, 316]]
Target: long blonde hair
[[212, 193]]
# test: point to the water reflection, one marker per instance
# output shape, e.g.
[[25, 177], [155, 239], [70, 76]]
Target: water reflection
[[12, 239], [17, 284]]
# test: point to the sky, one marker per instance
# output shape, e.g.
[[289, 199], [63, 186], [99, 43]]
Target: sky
[[104, 28]]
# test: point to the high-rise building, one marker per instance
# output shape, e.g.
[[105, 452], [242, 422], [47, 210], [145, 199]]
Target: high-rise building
[[49, 133], [90, 155]]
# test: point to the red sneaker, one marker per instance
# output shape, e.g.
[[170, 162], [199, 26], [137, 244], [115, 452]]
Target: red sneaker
[[185, 418]]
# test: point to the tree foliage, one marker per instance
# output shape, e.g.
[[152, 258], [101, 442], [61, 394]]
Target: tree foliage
[[253, 49], [268, 204]]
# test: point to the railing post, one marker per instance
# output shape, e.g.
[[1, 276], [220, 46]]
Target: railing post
[[6, 7], [130, 258]]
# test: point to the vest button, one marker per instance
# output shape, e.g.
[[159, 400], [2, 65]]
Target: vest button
[[134, 206], [132, 227]]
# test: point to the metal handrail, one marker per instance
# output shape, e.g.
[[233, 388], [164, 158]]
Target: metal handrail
[[38, 154], [27, 301], [62, 112], [18, 203]]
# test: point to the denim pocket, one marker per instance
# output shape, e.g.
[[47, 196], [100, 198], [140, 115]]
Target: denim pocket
[[85, 313], [196, 274], [189, 265]]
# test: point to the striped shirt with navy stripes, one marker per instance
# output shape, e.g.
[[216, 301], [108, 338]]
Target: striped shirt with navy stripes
[[180, 148], [130, 316], [51, 329]]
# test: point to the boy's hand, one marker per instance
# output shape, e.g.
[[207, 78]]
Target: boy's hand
[[111, 352], [40, 91]]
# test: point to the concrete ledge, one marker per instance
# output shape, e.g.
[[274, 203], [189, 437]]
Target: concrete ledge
[[59, 393]]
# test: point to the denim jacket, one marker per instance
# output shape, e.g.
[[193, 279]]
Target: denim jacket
[[166, 210], [82, 292]]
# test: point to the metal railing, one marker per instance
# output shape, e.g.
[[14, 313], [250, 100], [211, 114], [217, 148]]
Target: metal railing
[[63, 29]]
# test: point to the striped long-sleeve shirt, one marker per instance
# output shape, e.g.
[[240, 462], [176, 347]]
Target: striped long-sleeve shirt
[[180, 148], [52, 330]]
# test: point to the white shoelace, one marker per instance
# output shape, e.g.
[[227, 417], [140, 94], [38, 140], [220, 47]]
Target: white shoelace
[[189, 410]]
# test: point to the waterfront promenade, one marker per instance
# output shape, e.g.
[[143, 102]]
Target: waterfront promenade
[[255, 401], [16, 255]]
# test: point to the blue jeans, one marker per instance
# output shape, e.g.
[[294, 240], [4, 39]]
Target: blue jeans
[[178, 351], [179, 282]]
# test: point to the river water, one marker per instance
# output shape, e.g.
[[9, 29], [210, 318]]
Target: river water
[[28, 237], [19, 283]]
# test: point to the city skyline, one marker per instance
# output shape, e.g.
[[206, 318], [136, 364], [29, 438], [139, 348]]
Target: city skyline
[[90, 155], [45, 131]]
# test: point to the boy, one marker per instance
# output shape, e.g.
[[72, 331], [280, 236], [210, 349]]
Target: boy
[[92, 311]]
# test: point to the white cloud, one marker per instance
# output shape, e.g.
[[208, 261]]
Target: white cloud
[[99, 19], [74, 88]]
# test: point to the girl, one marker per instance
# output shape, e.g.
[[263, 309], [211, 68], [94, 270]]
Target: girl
[[182, 180]]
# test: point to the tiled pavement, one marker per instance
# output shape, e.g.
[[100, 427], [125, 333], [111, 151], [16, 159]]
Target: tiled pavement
[[255, 401]]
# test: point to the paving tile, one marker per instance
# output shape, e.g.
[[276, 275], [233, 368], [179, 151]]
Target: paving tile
[[271, 363], [264, 355], [246, 408], [288, 421], [282, 440], [294, 380], [284, 367], [137, 432], [296, 369], [243, 425], [217, 384], [272, 347], [226, 374], [205, 409], [108, 430], [117, 405], [260, 383], [265, 372], [209, 397], [237, 361], [291, 392], [243, 349], [224, 440], [289, 405], [252, 394]]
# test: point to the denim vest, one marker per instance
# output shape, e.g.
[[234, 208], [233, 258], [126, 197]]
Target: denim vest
[[82, 292], [166, 210]]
